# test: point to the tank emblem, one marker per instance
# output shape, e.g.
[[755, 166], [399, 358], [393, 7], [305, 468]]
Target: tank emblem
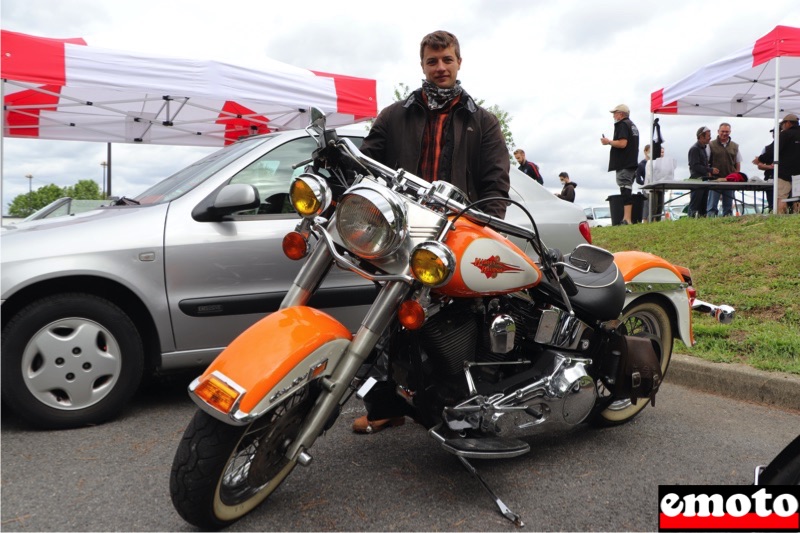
[[492, 266]]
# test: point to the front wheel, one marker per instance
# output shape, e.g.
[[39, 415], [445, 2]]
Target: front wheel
[[70, 360], [642, 317], [222, 472]]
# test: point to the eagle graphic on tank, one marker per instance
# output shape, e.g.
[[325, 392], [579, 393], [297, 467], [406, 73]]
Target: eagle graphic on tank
[[487, 263]]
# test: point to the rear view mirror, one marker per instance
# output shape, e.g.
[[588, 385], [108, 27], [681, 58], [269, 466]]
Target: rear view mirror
[[591, 258]]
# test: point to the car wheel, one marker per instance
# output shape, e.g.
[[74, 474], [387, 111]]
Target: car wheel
[[70, 360]]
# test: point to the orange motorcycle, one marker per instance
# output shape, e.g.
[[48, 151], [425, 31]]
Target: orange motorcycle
[[485, 334]]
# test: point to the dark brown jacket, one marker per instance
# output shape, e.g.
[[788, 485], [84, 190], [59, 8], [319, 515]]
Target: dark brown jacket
[[480, 158]]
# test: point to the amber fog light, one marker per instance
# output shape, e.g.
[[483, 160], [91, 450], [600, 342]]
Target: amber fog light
[[432, 263]]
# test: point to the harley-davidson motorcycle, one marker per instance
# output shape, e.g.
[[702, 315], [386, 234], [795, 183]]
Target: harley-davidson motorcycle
[[486, 333]]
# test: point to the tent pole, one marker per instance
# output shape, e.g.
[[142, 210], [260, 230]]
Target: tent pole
[[2, 146], [651, 204], [108, 159], [776, 142]]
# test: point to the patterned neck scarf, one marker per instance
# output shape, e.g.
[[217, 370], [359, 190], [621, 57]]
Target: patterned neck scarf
[[438, 97]]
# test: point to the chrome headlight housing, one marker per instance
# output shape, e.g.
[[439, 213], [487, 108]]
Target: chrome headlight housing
[[310, 195], [371, 222]]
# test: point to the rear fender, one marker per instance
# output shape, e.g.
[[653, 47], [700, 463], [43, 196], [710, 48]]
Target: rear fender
[[274, 357], [645, 274]]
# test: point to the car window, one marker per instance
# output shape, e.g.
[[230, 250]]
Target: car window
[[272, 174], [190, 177]]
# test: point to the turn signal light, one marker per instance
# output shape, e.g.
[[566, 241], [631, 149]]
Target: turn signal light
[[411, 314], [217, 394], [295, 245]]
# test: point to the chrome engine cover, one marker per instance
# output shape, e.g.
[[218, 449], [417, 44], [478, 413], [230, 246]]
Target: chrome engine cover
[[565, 396]]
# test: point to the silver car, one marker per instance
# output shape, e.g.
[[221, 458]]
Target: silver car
[[93, 302]]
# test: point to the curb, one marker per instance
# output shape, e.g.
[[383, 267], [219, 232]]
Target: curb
[[735, 380]]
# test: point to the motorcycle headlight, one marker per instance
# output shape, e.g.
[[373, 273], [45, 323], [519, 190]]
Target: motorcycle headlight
[[432, 263], [371, 223], [310, 195]]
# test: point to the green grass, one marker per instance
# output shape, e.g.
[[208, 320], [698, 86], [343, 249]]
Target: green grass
[[751, 263]]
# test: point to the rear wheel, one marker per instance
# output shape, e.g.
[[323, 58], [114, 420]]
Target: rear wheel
[[222, 472], [643, 317]]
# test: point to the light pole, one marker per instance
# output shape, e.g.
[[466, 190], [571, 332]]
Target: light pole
[[104, 165], [30, 192]]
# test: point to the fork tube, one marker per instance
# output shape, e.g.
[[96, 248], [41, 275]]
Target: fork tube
[[309, 277], [378, 318]]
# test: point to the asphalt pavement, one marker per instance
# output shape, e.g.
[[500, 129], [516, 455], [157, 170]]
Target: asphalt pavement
[[735, 381]]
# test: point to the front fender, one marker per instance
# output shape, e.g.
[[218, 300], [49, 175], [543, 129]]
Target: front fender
[[272, 358], [645, 273]]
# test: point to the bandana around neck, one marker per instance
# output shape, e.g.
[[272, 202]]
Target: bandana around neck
[[438, 97]]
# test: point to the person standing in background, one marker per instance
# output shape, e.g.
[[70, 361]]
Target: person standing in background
[[788, 160], [622, 156], [641, 172], [700, 168], [763, 162], [528, 167], [568, 190], [726, 157]]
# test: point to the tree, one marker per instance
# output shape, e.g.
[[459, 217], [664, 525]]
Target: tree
[[84, 190], [26, 204]]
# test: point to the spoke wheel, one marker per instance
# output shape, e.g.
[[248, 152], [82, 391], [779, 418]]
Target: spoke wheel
[[222, 472], [642, 317]]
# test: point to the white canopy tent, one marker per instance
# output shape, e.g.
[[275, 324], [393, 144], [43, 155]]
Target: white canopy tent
[[62, 89], [761, 80]]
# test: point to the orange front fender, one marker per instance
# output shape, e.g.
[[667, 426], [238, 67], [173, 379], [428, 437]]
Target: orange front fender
[[274, 352]]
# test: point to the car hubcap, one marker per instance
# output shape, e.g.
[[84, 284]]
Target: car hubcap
[[71, 363]]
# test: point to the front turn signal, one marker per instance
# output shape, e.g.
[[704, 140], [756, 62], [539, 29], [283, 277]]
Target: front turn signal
[[217, 394], [411, 314], [295, 245]]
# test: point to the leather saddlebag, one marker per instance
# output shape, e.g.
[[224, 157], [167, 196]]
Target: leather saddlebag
[[639, 372]]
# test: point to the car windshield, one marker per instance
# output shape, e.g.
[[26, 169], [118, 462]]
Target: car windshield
[[602, 212], [190, 177]]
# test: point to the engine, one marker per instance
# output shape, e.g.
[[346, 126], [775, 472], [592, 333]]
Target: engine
[[521, 372]]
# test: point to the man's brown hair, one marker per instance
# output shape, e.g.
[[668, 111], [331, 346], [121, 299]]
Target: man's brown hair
[[439, 40]]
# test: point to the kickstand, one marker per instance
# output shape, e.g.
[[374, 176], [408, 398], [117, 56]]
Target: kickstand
[[505, 511]]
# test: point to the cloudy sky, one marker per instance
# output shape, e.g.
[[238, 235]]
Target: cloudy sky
[[555, 67]]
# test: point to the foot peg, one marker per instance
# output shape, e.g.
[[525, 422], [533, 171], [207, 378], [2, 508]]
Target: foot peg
[[488, 448]]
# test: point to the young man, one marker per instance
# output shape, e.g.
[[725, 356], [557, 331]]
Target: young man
[[528, 167], [438, 133], [622, 156], [568, 189]]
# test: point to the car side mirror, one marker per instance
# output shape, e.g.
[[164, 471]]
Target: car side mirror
[[232, 198]]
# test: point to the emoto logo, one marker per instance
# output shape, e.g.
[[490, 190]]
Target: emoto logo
[[493, 266], [728, 508]]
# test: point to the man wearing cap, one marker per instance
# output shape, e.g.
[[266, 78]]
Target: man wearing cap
[[623, 156], [700, 168], [788, 158]]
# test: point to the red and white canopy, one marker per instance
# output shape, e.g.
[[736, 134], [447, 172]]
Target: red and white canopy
[[63, 89], [748, 83]]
